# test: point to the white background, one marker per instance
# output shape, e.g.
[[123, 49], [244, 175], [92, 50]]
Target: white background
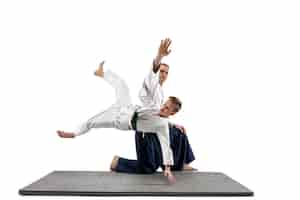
[[235, 65]]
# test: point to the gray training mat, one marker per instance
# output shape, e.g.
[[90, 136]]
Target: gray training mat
[[92, 183]]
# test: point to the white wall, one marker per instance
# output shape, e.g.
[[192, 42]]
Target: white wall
[[235, 65]]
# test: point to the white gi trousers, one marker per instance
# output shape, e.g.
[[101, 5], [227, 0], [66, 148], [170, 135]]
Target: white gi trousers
[[117, 115]]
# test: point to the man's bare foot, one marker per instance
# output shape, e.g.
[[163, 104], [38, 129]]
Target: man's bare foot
[[99, 72], [187, 167], [63, 134], [114, 163]]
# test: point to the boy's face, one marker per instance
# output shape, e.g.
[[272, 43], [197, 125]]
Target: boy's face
[[167, 109]]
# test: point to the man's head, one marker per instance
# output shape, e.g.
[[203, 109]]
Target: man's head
[[163, 72], [170, 107]]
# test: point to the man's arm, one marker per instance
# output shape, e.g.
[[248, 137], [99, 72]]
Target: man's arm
[[163, 50], [151, 81]]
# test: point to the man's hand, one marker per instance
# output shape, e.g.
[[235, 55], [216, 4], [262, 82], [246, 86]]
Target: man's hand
[[171, 178], [163, 49], [99, 72], [181, 128]]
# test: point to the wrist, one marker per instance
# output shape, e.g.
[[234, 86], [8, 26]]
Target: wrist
[[158, 58]]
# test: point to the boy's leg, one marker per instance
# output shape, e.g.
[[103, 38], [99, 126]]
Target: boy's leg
[[104, 119], [109, 117]]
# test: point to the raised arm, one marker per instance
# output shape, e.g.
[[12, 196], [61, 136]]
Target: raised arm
[[163, 51], [149, 94]]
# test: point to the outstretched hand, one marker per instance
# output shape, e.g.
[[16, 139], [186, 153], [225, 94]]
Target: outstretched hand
[[99, 72], [163, 49]]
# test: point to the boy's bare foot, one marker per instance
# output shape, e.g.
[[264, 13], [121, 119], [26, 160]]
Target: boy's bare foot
[[187, 167], [63, 134], [114, 163], [99, 72]]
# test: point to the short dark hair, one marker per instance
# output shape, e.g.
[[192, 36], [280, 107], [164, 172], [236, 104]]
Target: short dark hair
[[176, 101], [160, 64]]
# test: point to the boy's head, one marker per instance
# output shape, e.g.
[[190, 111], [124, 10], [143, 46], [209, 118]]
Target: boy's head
[[170, 107]]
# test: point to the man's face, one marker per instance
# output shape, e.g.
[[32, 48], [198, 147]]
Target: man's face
[[163, 73], [167, 109]]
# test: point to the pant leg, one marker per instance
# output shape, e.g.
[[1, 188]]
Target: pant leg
[[127, 166], [182, 151], [189, 153], [122, 92], [116, 116], [148, 151], [181, 147], [149, 156], [104, 119]]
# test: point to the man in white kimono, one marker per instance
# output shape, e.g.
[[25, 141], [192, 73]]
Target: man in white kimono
[[123, 115], [151, 94]]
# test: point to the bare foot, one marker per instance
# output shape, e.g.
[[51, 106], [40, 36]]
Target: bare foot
[[114, 163], [63, 134], [99, 72], [187, 167]]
